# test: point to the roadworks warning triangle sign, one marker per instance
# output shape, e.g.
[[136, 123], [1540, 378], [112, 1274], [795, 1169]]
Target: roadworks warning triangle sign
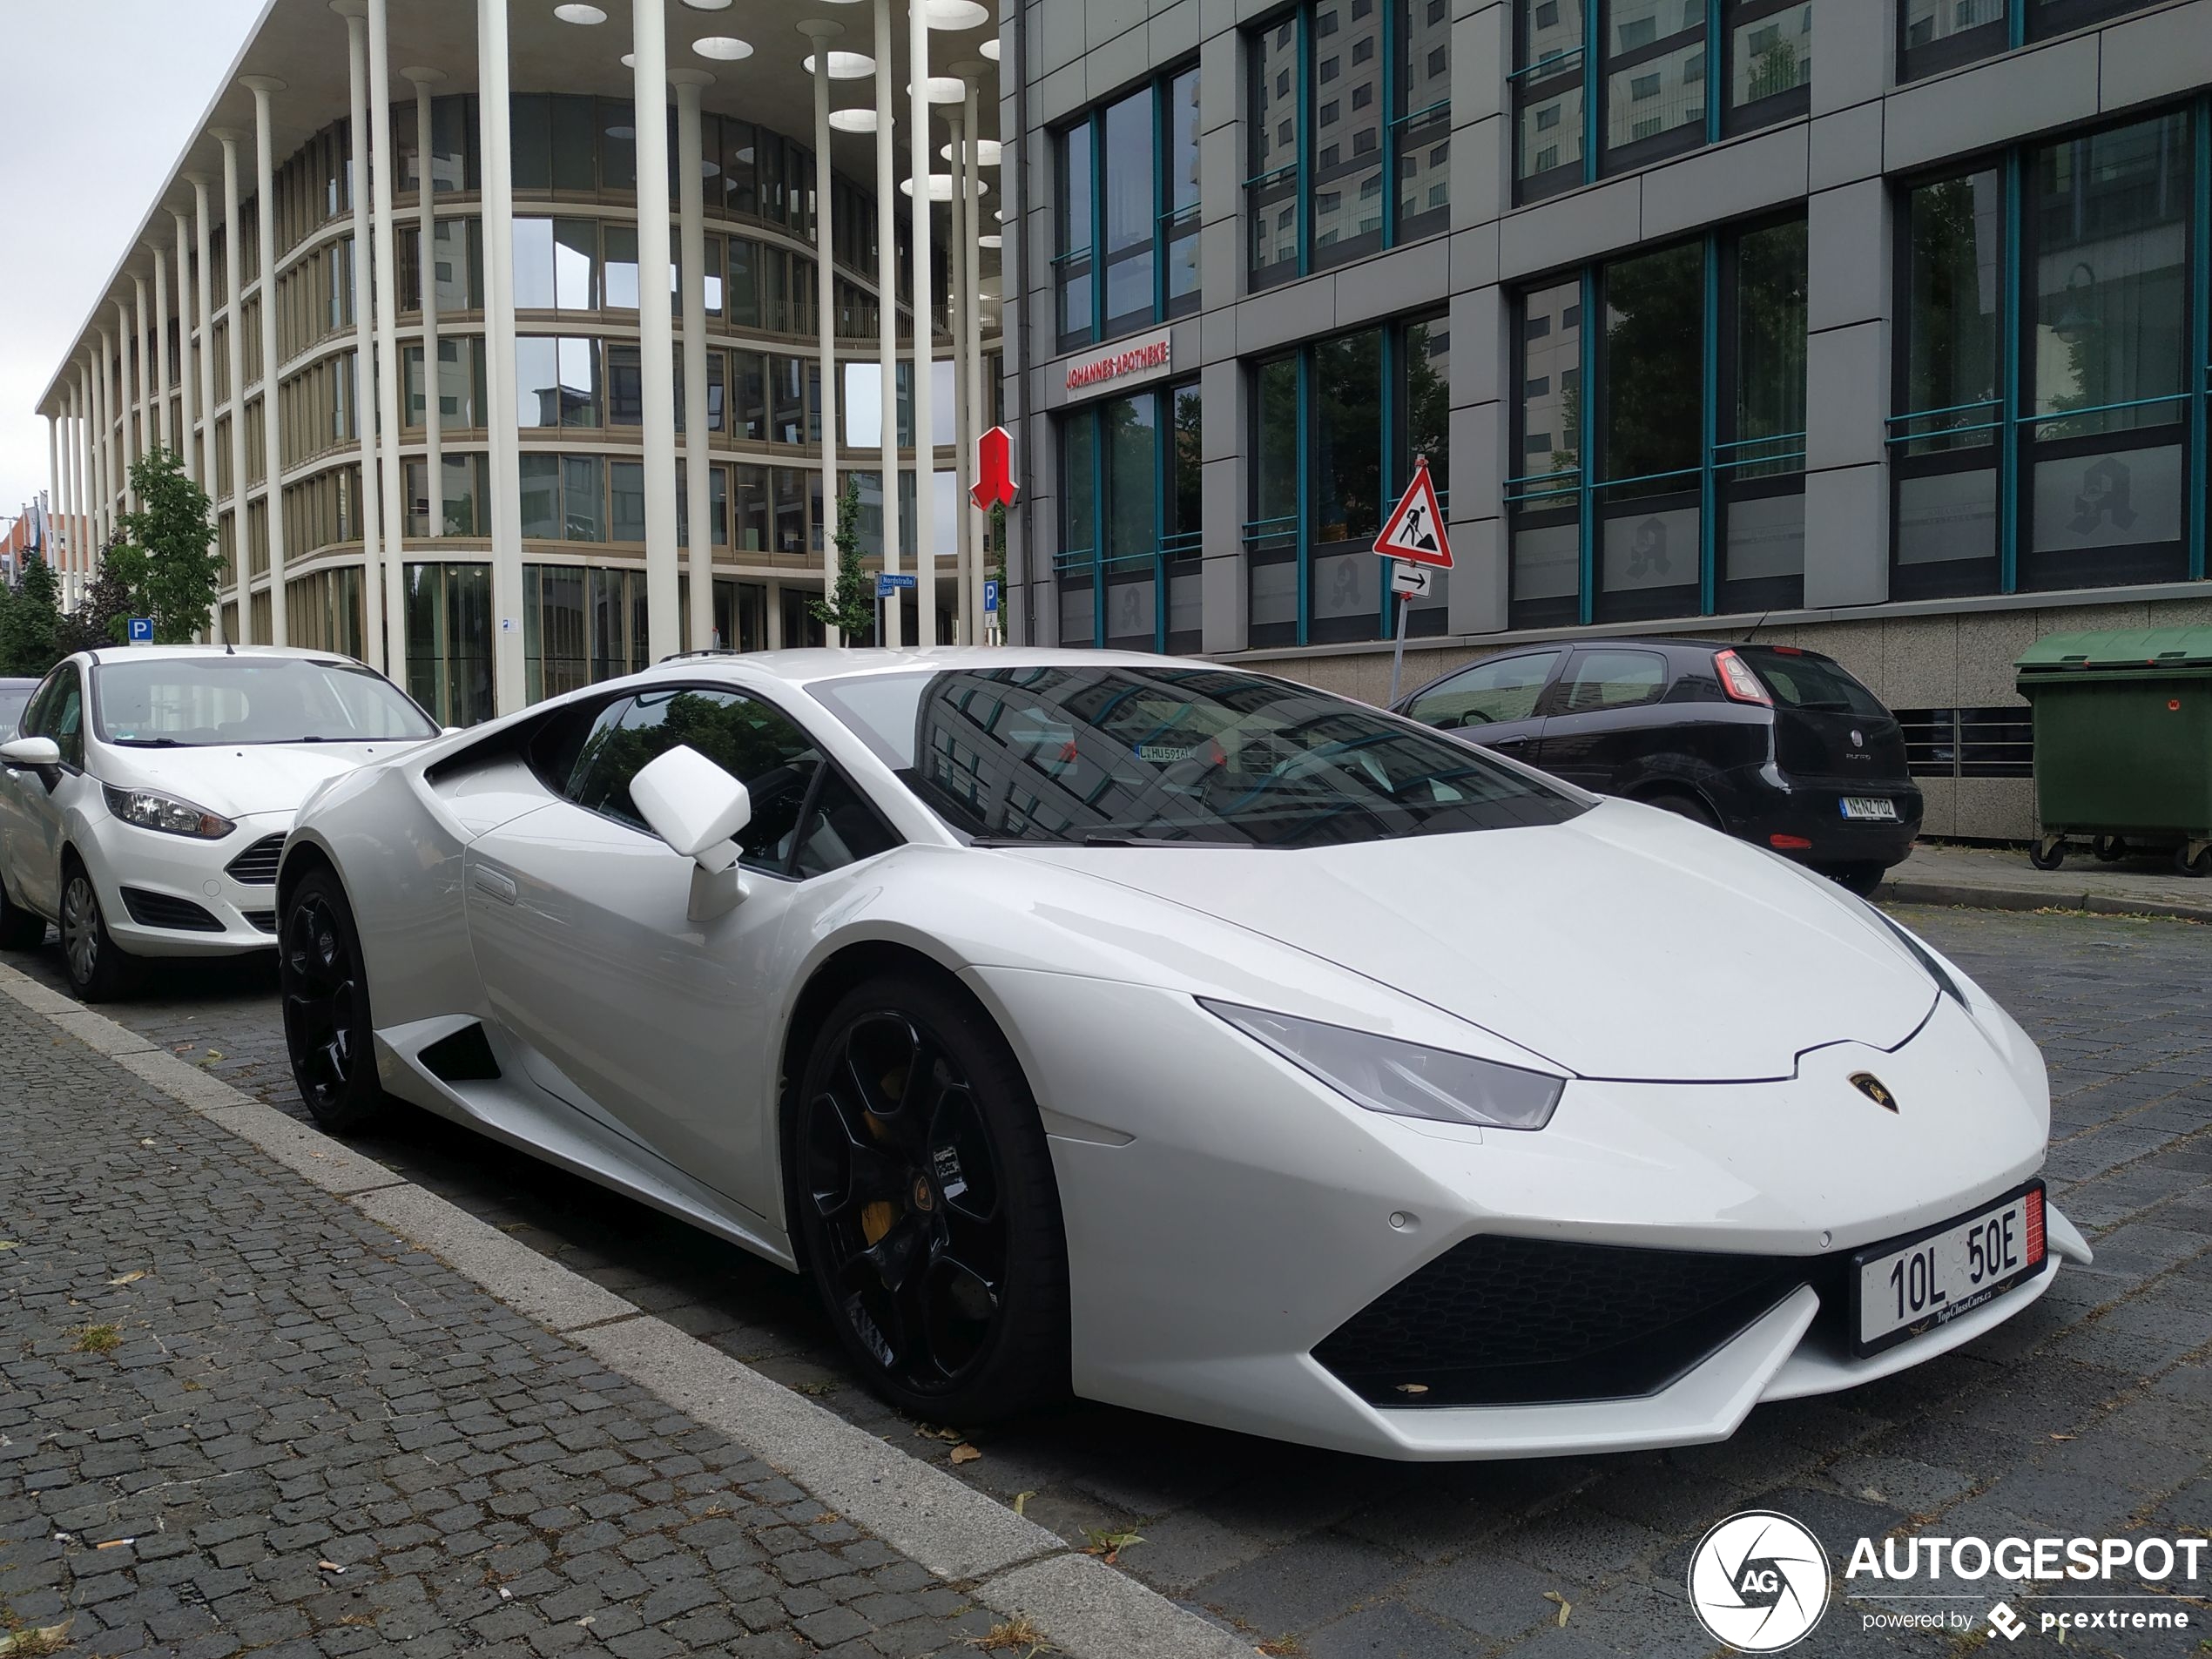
[[1416, 527]]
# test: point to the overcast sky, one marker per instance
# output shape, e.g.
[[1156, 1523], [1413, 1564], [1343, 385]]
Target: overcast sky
[[101, 96]]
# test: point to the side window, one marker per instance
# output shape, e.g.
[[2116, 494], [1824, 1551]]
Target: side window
[[34, 712], [1598, 680], [840, 829], [757, 744], [1504, 689], [58, 712]]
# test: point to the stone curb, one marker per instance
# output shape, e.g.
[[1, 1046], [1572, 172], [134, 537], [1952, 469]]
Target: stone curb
[[1010, 1564], [1973, 896]]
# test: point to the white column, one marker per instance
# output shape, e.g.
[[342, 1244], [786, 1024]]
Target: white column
[[47, 549], [203, 252], [697, 480], [187, 450], [161, 432], [886, 300], [272, 427], [925, 335], [127, 395], [656, 326], [141, 376], [234, 354], [67, 503], [81, 485], [958, 230], [973, 520], [391, 481], [433, 462], [825, 307], [495, 117], [376, 638]]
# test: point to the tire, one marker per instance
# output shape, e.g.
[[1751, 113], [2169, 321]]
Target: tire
[[2050, 860], [1861, 878], [99, 969], [20, 930], [925, 1211], [2201, 865], [2110, 848], [1683, 806], [328, 1032]]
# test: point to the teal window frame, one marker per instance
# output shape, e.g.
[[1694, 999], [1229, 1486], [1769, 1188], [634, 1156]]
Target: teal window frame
[[2013, 24], [1088, 563], [1723, 462], [1302, 170], [1171, 225], [2009, 417]]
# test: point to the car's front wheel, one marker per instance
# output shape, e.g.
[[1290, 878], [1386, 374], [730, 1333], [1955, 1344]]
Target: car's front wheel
[[926, 1206], [100, 970], [326, 1028]]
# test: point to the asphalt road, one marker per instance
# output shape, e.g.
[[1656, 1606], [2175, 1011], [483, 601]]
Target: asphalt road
[[2091, 1413]]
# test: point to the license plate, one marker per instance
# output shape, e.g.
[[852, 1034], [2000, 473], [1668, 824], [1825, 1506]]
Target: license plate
[[1907, 1288], [1870, 806]]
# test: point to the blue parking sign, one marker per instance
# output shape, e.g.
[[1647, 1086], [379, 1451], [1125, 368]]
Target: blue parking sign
[[139, 631], [990, 594]]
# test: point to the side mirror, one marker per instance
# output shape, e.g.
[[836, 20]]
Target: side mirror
[[41, 755], [697, 809]]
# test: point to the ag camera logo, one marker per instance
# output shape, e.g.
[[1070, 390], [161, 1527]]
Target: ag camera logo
[[1758, 1581]]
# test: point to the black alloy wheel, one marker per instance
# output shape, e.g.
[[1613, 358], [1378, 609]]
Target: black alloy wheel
[[925, 1206], [326, 1030]]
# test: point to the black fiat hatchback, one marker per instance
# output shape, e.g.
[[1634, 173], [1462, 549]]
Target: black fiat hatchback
[[1769, 742]]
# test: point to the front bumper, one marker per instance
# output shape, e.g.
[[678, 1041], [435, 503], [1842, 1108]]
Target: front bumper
[[1225, 1214], [169, 895]]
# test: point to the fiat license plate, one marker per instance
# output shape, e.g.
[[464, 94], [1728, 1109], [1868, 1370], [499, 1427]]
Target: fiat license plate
[[1870, 806], [1905, 1288]]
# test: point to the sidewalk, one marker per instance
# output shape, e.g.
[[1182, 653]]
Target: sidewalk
[[2002, 878], [238, 1409]]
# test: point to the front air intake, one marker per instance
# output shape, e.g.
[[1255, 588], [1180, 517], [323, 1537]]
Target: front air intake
[[160, 910]]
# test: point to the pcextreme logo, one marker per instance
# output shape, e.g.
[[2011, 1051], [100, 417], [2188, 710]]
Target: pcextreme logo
[[1759, 1582]]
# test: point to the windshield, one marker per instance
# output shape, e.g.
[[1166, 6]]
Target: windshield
[[12, 700], [190, 702], [1801, 680], [1203, 756]]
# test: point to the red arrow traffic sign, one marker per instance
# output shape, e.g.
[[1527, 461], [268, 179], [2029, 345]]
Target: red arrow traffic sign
[[994, 470], [1415, 530]]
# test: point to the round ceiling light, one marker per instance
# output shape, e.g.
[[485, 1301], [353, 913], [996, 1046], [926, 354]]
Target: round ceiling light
[[943, 89], [843, 66], [723, 49], [940, 187], [987, 152], [990, 49], [581, 14], [956, 14], [853, 120], [708, 5], [630, 60], [991, 240]]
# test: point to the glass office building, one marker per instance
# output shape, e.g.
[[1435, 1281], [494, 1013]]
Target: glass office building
[[1878, 326]]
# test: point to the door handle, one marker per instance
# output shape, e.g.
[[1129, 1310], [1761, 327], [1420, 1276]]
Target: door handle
[[493, 885], [1513, 742]]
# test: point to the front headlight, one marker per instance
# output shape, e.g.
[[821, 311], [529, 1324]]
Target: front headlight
[[1403, 1079], [150, 809]]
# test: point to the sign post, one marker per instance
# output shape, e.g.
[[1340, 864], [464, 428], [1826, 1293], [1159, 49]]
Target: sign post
[[1414, 537], [888, 586]]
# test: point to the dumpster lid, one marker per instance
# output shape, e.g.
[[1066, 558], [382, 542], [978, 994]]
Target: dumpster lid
[[2118, 648]]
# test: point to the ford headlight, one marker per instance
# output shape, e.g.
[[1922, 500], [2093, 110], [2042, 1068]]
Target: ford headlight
[[149, 809], [1404, 1079]]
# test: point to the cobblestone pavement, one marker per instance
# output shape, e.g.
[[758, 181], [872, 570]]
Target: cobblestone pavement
[[236, 1415], [2090, 1411]]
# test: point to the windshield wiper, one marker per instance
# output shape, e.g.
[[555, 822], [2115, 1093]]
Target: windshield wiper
[[152, 742]]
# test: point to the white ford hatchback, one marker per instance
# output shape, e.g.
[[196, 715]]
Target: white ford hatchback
[[147, 794]]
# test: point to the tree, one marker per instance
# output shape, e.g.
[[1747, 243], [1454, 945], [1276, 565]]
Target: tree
[[165, 552], [851, 609], [101, 615], [29, 622]]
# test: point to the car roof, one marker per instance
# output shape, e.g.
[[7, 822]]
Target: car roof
[[170, 653], [813, 665]]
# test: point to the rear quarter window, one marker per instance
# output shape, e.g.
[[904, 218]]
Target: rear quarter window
[[1817, 684]]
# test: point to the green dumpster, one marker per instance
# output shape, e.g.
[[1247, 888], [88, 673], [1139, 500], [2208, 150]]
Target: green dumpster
[[2123, 741]]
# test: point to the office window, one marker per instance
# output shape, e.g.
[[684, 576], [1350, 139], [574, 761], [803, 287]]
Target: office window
[[1128, 569], [1336, 425], [447, 631], [1126, 219], [2090, 475], [1936, 35], [1380, 177], [557, 382], [1646, 501]]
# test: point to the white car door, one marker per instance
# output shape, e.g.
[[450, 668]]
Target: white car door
[[37, 808], [659, 1025]]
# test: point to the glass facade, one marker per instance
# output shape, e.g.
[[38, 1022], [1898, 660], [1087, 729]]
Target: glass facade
[[1660, 429], [1936, 35], [1130, 471], [1126, 228], [1335, 427], [2049, 428], [1348, 144]]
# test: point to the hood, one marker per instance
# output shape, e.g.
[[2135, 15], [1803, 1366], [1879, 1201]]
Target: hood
[[241, 780], [1626, 943]]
